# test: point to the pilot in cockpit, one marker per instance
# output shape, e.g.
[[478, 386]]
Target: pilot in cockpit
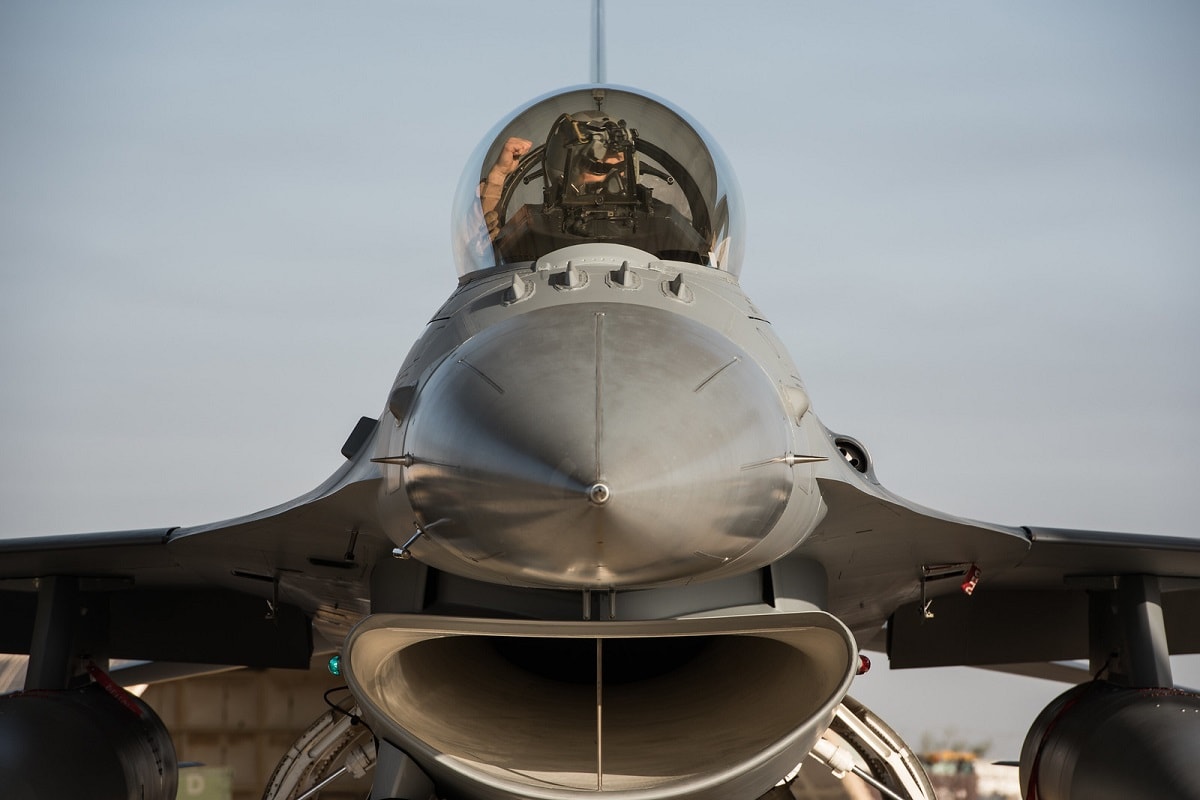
[[585, 164], [596, 165], [595, 187]]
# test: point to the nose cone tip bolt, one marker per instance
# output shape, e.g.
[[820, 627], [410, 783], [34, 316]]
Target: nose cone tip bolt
[[598, 494]]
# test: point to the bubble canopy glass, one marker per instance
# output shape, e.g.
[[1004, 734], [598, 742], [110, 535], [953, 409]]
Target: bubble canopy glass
[[597, 164]]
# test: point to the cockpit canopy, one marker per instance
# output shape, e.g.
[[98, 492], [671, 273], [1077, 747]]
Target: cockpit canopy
[[597, 164]]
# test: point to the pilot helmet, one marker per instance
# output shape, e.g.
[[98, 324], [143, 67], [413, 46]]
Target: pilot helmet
[[590, 158]]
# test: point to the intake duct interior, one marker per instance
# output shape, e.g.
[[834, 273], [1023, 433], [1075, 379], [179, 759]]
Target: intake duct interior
[[713, 707]]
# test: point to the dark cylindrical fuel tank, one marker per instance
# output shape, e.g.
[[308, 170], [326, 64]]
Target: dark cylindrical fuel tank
[[84, 743], [1100, 741]]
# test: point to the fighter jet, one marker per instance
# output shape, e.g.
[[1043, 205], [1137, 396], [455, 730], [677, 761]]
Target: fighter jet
[[596, 543]]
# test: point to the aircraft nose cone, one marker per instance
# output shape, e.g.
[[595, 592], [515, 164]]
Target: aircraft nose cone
[[598, 445]]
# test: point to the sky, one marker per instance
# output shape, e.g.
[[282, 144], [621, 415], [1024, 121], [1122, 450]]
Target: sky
[[223, 224]]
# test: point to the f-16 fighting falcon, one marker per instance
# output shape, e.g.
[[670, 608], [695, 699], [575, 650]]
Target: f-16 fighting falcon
[[596, 543]]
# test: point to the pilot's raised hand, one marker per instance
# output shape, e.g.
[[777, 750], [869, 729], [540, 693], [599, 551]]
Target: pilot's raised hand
[[510, 156], [506, 163]]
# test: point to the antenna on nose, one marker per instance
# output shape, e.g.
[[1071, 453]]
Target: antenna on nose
[[598, 55]]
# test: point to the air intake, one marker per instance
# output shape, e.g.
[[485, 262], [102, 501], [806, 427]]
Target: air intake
[[696, 708]]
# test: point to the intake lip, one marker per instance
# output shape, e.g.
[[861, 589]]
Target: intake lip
[[743, 701]]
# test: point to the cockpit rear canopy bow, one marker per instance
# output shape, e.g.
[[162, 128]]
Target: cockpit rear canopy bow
[[597, 164]]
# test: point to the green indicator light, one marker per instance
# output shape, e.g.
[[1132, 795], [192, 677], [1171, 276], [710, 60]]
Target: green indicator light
[[335, 665]]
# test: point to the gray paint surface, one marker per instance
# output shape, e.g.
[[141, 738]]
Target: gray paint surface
[[222, 228]]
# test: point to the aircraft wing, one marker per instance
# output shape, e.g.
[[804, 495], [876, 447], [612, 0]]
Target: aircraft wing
[[250, 591], [1037, 594]]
